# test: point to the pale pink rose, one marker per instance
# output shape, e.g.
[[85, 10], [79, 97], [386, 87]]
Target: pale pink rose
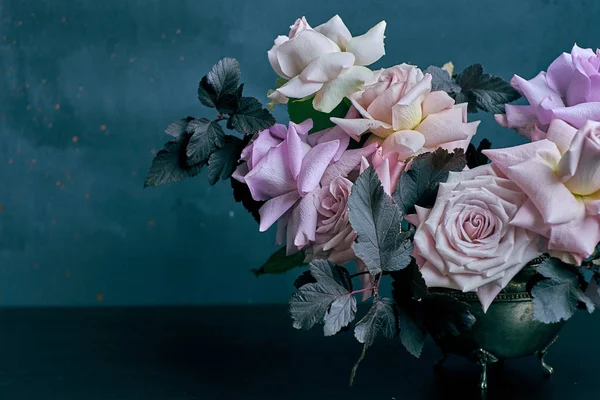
[[326, 61], [389, 166], [561, 177], [399, 107], [334, 234], [466, 241], [285, 167], [569, 91]]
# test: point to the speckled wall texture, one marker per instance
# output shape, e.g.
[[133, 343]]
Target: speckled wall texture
[[88, 86]]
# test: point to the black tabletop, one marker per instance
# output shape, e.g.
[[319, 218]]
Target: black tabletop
[[254, 353]]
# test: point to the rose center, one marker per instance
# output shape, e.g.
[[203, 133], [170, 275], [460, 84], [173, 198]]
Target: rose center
[[478, 226]]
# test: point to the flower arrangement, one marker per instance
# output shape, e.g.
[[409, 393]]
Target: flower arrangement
[[375, 179]]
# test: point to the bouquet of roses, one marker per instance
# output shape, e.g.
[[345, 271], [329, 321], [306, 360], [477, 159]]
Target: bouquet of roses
[[375, 173]]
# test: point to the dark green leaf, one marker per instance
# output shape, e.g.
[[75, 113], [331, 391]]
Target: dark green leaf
[[380, 320], [241, 193], [381, 244], [251, 117], [486, 92], [304, 279], [419, 185], [206, 93], [207, 137], [280, 262], [178, 128], [222, 162], [444, 315], [557, 297], [301, 110], [475, 157], [412, 335], [224, 77], [441, 80], [170, 165], [311, 303]]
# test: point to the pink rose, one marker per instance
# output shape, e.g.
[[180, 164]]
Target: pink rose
[[561, 177], [570, 91], [285, 167], [400, 108], [326, 60], [388, 166], [466, 241], [334, 234]]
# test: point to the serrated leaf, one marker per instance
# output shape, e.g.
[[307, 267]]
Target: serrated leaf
[[304, 279], [444, 315], [380, 244], [557, 297], [339, 315], [206, 93], [280, 262], [222, 162], [380, 320], [207, 137], [241, 193], [169, 165], [475, 157], [484, 91], [300, 111], [412, 335], [177, 129], [419, 185], [224, 77], [441, 80], [310, 304], [250, 117]]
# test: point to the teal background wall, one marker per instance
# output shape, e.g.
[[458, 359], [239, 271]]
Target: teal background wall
[[87, 88]]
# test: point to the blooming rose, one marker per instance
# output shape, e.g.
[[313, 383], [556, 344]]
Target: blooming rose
[[285, 167], [388, 166], [561, 177], [326, 60], [570, 91], [334, 234], [399, 107], [466, 242]]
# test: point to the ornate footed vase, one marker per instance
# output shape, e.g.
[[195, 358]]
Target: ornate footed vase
[[506, 331]]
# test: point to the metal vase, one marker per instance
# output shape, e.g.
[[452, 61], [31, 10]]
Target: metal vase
[[507, 330]]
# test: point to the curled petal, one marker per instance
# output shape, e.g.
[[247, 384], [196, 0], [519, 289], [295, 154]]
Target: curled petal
[[296, 88], [369, 47], [295, 55], [336, 30], [327, 67], [405, 143], [333, 92], [443, 127], [436, 102], [273, 209], [314, 165], [578, 114]]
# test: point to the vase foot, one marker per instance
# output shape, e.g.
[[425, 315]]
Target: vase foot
[[542, 357], [483, 358]]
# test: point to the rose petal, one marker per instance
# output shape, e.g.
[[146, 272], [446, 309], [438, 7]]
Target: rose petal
[[369, 47], [327, 67], [307, 221], [349, 161], [405, 143], [336, 30], [443, 127], [314, 165], [296, 88], [294, 55], [333, 92], [275, 208], [536, 90], [561, 134], [406, 116], [560, 72], [578, 114], [554, 201], [436, 102], [272, 176]]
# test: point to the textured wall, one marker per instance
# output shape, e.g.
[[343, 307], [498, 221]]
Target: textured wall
[[88, 86]]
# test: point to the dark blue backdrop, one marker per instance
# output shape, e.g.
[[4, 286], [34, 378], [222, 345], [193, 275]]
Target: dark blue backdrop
[[88, 86]]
